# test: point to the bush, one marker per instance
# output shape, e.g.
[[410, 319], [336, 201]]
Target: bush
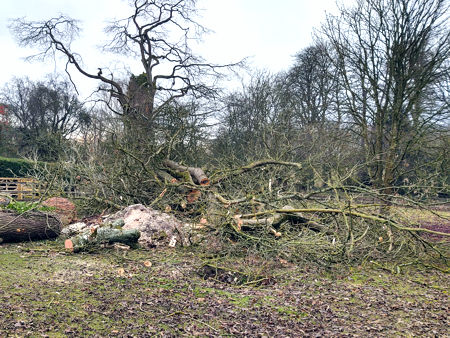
[[15, 167]]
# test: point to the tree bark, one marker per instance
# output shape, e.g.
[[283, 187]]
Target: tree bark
[[28, 226], [102, 235], [197, 173]]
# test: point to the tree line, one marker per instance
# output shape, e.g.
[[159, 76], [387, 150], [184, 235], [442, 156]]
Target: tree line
[[367, 102]]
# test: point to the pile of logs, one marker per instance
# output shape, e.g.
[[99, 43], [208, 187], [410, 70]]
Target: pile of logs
[[106, 234]]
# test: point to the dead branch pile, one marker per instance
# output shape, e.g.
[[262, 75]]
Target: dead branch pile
[[265, 206], [259, 206]]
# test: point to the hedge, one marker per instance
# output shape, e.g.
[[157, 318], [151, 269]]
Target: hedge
[[15, 167]]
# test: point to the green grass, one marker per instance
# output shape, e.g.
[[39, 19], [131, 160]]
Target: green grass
[[45, 291], [22, 207]]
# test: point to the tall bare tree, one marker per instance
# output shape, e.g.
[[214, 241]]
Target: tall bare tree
[[311, 86], [157, 32], [390, 54]]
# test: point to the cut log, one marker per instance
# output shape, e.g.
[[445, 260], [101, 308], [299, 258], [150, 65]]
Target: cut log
[[193, 195], [166, 176], [63, 207], [197, 174], [102, 235], [33, 225], [111, 235]]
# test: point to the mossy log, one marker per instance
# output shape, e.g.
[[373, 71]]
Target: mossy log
[[102, 235], [34, 225], [197, 174]]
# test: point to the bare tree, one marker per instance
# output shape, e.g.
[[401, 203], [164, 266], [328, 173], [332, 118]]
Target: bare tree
[[311, 86], [254, 123], [389, 54], [157, 33]]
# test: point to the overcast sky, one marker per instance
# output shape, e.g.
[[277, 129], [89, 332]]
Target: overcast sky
[[269, 32]]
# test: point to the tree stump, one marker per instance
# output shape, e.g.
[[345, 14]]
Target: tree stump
[[28, 226]]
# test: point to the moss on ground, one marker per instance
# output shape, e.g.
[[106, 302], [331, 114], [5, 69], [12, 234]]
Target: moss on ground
[[45, 291]]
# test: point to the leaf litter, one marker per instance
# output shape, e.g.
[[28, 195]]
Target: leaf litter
[[143, 293]]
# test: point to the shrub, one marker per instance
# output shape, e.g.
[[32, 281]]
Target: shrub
[[15, 167]]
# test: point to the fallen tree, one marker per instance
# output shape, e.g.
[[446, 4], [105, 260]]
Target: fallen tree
[[265, 206], [31, 225]]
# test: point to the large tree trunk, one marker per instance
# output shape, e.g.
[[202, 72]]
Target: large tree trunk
[[28, 226]]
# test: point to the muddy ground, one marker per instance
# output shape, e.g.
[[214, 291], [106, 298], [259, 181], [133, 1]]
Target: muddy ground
[[45, 292]]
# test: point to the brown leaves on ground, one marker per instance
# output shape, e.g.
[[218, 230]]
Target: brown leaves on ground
[[436, 219], [120, 294]]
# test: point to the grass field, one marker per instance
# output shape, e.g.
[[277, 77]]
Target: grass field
[[45, 292]]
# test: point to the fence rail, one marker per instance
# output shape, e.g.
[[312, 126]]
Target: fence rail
[[20, 188]]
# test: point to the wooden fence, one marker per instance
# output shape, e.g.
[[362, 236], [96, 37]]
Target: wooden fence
[[20, 188]]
